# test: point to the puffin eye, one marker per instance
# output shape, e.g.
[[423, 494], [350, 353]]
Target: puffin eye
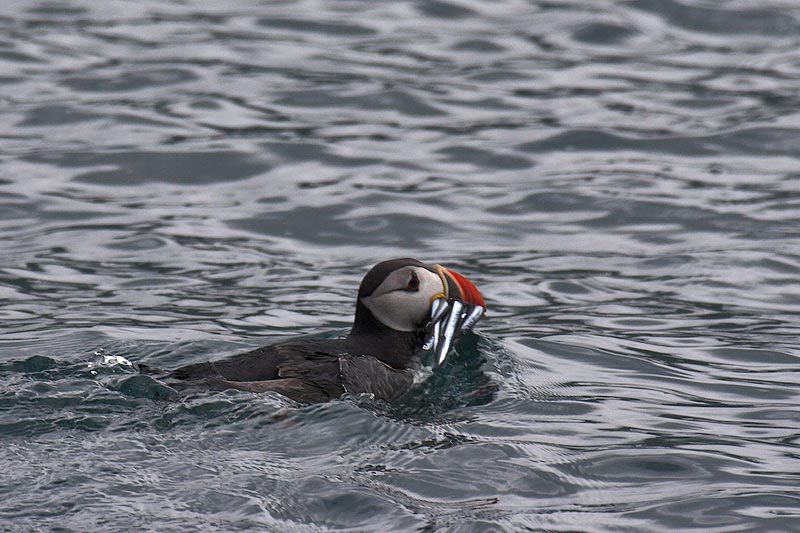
[[413, 283]]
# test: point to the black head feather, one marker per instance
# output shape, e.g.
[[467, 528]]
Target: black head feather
[[381, 271]]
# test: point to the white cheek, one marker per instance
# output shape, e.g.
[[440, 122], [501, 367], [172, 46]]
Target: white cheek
[[405, 311], [429, 286], [399, 310]]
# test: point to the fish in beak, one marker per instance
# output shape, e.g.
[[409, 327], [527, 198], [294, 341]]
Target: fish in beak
[[454, 311]]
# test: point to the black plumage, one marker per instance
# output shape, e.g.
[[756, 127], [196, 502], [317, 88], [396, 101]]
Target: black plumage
[[372, 358], [378, 356]]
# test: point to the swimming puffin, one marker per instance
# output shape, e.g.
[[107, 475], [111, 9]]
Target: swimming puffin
[[403, 308]]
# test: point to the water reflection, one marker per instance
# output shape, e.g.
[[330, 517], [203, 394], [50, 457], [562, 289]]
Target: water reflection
[[183, 182]]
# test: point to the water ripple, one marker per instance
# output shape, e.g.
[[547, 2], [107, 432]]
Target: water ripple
[[183, 182]]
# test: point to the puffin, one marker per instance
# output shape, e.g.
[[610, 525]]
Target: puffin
[[404, 309]]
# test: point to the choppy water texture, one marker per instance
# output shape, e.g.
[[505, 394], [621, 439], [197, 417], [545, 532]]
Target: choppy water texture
[[180, 181]]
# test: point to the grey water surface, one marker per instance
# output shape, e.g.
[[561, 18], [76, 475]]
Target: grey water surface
[[182, 181]]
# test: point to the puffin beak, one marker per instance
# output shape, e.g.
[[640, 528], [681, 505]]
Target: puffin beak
[[453, 312]]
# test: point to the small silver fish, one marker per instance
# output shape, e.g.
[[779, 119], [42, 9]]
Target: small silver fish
[[449, 320]]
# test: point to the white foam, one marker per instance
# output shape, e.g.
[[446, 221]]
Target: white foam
[[105, 360]]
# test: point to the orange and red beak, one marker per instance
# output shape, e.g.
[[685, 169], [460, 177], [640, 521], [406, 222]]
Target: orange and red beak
[[466, 290]]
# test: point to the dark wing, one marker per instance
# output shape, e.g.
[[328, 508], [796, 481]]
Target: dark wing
[[258, 365], [369, 375], [298, 390], [304, 371]]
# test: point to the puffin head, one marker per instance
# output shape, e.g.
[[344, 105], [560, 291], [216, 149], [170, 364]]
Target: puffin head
[[399, 295]]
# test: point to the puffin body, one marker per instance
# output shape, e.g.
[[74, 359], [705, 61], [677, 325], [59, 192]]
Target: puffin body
[[378, 357]]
